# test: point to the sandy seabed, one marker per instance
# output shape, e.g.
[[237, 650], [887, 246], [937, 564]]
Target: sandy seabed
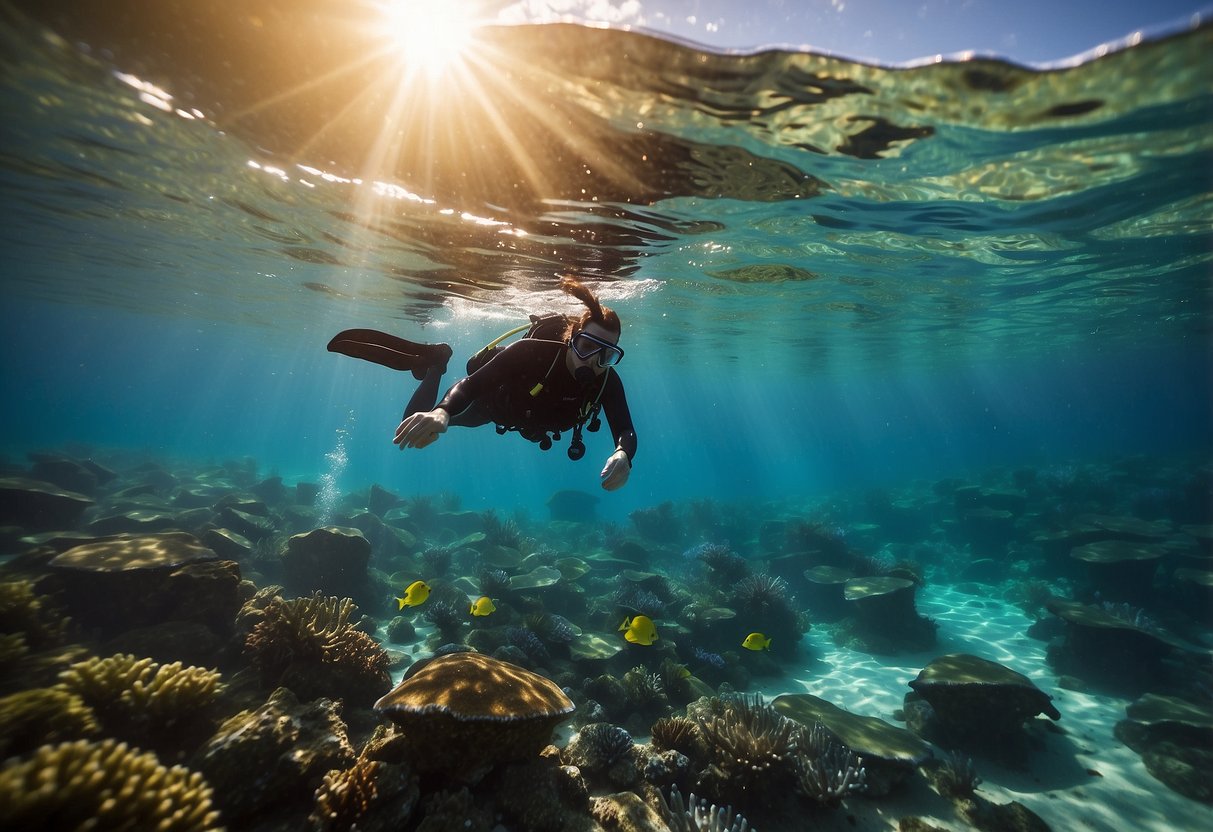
[[1083, 779]]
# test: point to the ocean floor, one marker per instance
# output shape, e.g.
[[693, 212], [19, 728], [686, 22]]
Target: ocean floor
[[1084, 778]]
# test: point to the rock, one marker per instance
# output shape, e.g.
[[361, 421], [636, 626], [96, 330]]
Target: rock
[[380, 500], [159, 578], [1109, 650], [65, 473], [1175, 740], [884, 608], [537, 578], [228, 544], [889, 753], [39, 506], [978, 704], [275, 755], [331, 559], [1121, 570], [468, 701]]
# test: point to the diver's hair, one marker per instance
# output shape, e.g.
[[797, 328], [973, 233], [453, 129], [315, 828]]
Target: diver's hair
[[594, 310]]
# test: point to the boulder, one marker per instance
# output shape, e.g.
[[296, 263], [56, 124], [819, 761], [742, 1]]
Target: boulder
[[39, 506]]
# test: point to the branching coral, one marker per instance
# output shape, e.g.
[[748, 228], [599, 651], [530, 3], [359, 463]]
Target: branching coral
[[700, 817], [24, 612], [44, 715], [140, 699], [644, 690], [105, 785], [346, 796], [314, 631], [829, 771]]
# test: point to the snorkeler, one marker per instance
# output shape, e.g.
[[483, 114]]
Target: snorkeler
[[555, 378]]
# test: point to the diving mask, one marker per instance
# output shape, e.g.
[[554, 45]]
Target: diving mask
[[586, 346]]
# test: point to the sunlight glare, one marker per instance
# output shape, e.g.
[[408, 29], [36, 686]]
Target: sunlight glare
[[430, 34]]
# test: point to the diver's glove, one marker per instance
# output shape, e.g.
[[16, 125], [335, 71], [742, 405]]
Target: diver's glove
[[616, 471]]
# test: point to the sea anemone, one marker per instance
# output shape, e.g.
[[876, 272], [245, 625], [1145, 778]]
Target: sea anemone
[[447, 617], [828, 771], [726, 567], [640, 600], [755, 749], [501, 532], [494, 582], [104, 785], [701, 816], [760, 592], [677, 733], [956, 776], [437, 560], [529, 643]]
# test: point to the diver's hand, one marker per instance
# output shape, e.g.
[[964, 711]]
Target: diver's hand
[[422, 429], [616, 471]]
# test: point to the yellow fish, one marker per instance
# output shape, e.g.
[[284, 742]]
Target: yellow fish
[[639, 630], [756, 641], [482, 606], [414, 595]]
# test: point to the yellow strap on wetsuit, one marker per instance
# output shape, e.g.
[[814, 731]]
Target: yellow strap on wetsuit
[[501, 338]]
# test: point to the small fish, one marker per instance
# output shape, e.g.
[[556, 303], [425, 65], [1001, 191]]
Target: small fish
[[756, 641], [414, 595], [639, 630], [482, 606]]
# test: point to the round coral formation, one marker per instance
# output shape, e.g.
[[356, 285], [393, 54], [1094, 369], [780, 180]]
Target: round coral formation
[[463, 713]]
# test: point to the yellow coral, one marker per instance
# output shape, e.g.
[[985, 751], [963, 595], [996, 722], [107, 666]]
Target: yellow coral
[[346, 796], [43, 715], [106, 785], [125, 690], [22, 610]]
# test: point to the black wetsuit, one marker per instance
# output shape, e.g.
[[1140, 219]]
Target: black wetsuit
[[501, 392]]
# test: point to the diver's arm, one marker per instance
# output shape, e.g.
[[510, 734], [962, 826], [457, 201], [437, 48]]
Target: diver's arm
[[619, 464], [511, 363]]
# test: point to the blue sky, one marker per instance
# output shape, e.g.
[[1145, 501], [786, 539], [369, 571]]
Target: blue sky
[[887, 31]]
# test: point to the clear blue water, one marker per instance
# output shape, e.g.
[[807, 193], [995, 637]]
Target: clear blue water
[[831, 275], [839, 283]]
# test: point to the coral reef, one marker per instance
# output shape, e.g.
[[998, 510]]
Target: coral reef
[[309, 645], [678, 733], [467, 701], [370, 796], [103, 785], [35, 617], [289, 746], [446, 617], [42, 715], [597, 747]]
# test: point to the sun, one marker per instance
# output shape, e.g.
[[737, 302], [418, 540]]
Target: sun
[[431, 35]]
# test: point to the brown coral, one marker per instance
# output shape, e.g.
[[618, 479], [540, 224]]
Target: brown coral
[[44, 715], [677, 733], [367, 796], [105, 785], [310, 645]]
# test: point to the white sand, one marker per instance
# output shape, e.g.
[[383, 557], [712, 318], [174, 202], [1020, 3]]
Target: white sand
[[1056, 784]]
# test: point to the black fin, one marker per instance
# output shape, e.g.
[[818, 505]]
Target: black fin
[[390, 351]]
